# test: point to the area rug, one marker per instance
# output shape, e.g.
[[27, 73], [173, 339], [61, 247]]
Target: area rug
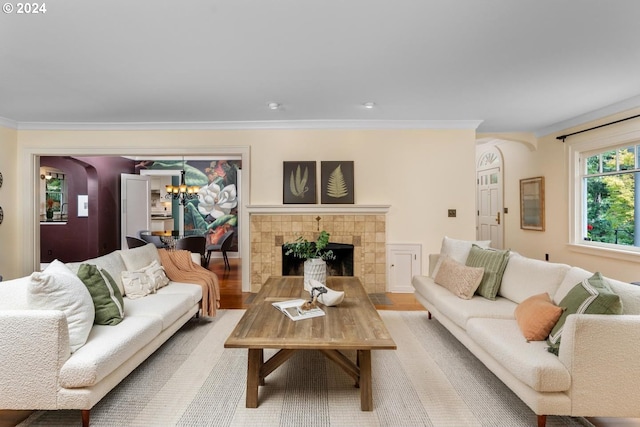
[[192, 380]]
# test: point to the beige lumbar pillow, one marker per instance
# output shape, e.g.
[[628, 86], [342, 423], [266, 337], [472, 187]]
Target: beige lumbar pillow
[[458, 278]]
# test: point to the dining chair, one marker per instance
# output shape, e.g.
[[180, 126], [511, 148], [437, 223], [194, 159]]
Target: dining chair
[[193, 244], [150, 238], [134, 242], [223, 245]]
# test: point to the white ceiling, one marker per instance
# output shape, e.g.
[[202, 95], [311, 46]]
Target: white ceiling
[[515, 65]]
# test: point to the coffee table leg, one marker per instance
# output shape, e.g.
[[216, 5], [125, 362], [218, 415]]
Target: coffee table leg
[[253, 376], [366, 391]]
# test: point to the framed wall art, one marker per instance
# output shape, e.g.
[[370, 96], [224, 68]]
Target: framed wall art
[[336, 182], [299, 183], [532, 203]]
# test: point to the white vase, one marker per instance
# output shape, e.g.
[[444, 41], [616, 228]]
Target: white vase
[[314, 269]]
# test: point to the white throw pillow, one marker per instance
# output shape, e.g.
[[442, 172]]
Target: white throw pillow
[[137, 284], [57, 288], [458, 250], [156, 274]]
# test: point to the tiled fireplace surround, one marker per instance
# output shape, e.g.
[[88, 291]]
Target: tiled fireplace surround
[[363, 227]]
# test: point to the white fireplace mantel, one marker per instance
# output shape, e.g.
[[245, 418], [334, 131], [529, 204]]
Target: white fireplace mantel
[[318, 209]]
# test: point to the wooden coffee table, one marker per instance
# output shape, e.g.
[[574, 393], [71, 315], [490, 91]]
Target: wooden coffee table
[[353, 325]]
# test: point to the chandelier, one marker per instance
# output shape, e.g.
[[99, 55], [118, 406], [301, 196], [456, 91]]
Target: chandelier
[[181, 192]]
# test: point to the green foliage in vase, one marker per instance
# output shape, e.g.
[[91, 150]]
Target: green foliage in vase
[[304, 249], [336, 186]]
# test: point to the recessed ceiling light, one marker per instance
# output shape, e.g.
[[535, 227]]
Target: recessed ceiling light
[[273, 105], [369, 105]]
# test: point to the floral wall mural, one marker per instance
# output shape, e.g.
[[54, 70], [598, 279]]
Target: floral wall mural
[[215, 209]]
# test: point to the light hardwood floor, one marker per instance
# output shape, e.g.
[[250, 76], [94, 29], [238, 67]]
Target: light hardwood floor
[[231, 297]]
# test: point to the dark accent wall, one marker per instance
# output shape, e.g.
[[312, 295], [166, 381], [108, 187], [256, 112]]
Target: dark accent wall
[[99, 233]]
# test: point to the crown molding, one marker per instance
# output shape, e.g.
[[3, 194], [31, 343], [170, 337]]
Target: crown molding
[[618, 107], [8, 123], [316, 209], [256, 125]]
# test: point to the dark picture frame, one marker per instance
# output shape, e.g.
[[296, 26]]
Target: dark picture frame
[[299, 183], [532, 203], [337, 182]]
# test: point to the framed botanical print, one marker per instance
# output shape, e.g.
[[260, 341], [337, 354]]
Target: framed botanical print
[[532, 203], [299, 183], [336, 182]]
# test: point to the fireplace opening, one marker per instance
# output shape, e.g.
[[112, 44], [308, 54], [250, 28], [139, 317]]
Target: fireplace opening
[[342, 265]]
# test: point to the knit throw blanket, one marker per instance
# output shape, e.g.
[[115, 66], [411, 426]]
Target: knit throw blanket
[[180, 267]]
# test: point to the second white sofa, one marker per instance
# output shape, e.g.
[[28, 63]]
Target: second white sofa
[[597, 370]]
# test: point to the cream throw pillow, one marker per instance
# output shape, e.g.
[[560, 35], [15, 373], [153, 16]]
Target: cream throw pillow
[[458, 278], [57, 288], [156, 275], [137, 284], [144, 281]]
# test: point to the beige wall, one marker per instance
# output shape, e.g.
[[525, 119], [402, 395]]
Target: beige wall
[[9, 235], [420, 173], [550, 159]]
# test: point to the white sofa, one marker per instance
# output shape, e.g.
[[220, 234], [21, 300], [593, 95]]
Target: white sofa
[[597, 370], [39, 371]]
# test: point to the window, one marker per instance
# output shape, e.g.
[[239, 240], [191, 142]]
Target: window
[[610, 180], [53, 197]]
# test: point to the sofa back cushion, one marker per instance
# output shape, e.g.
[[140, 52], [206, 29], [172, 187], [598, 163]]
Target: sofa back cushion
[[111, 262], [138, 258], [13, 294], [525, 277], [457, 249], [629, 295]]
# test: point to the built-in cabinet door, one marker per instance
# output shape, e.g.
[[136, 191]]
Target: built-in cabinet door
[[135, 205], [403, 262]]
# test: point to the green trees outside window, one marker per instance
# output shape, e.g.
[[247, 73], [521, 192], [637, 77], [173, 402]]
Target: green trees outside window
[[611, 184]]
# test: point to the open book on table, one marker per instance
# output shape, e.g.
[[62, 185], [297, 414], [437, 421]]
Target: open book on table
[[292, 309]]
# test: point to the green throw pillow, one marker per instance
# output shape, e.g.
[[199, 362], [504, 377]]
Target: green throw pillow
[[494, 262], [106, 296], [591, 296]]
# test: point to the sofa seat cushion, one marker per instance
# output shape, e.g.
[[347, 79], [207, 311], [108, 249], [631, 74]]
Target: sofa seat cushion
[[194, 291], [106, 349], [524, 277], [530, 362], [459, 310], [165, 307]]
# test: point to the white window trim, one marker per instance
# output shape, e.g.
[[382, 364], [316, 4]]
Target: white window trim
[[626, 133]]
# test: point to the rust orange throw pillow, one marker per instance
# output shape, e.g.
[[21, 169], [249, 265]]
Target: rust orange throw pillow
[[536, 316]]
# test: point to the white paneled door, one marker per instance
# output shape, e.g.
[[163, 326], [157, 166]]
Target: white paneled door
[[135, 205], [490, 212]]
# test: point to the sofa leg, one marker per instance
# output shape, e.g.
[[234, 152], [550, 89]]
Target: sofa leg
[[542, 420], [85, 417], [429, 314]]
